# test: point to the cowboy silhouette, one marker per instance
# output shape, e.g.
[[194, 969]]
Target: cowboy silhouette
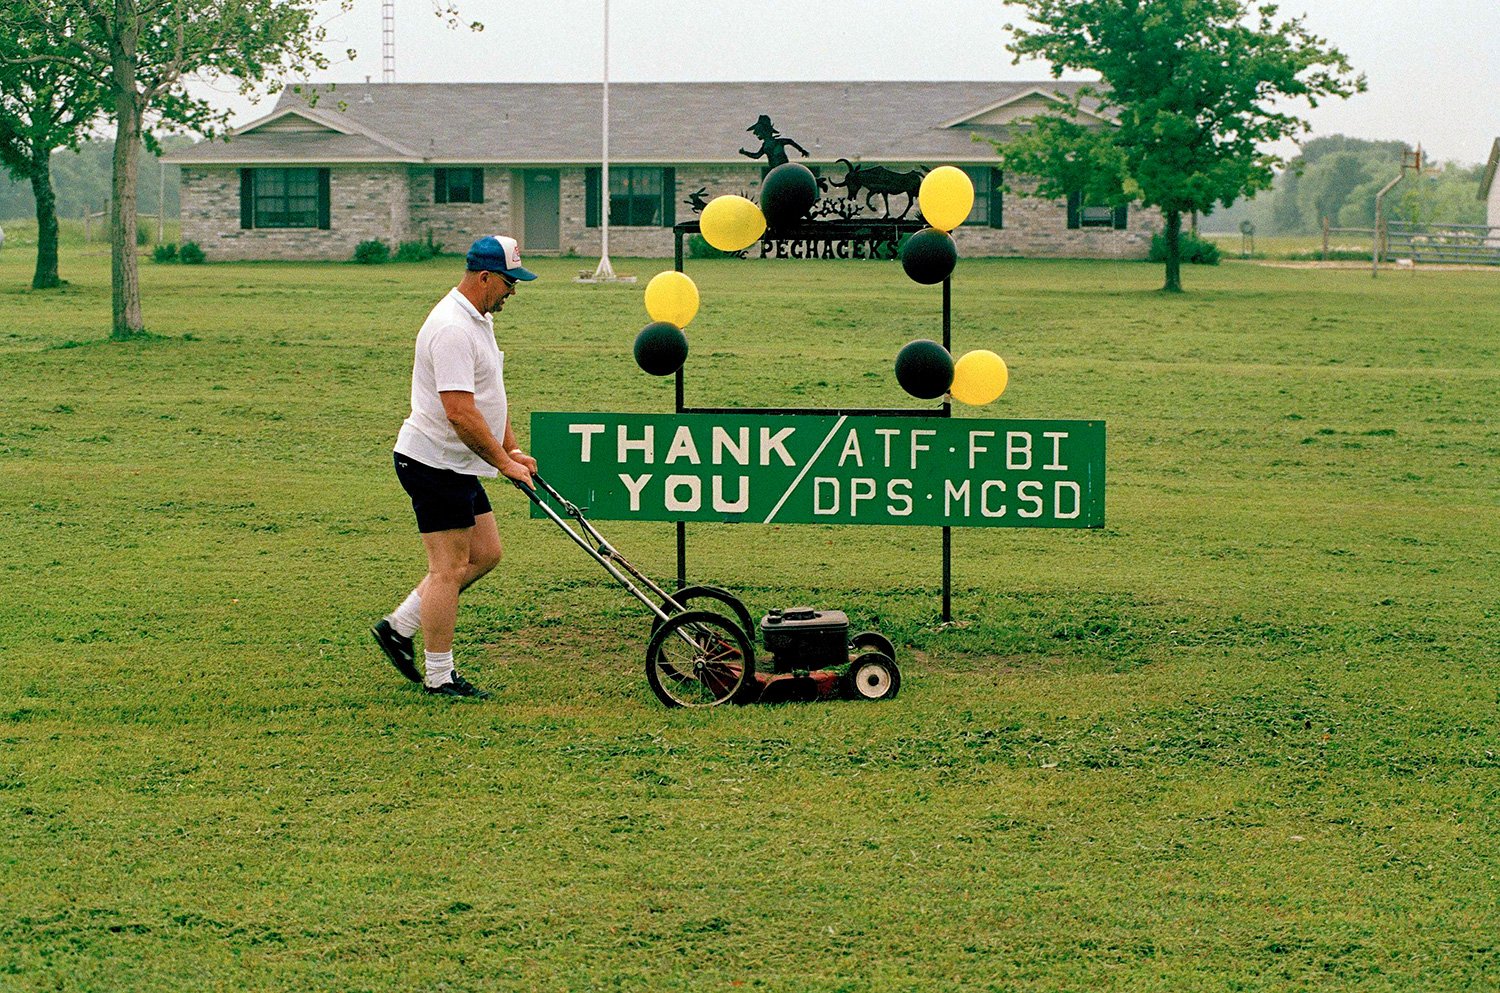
[[772, 145]]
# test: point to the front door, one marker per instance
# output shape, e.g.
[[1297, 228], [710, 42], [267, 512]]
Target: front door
[[543, 207]]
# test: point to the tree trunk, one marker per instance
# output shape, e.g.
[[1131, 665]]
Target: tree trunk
[[1174, 252], [125, 282], [45, 277]]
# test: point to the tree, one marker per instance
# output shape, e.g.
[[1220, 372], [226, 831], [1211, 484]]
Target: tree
[[1195, 91], [143, 52], [42, 108]]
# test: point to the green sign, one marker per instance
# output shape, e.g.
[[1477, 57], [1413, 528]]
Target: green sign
[[825, 469]]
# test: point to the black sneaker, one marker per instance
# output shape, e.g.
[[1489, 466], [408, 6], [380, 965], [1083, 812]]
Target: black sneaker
[[398, 649], [457, 686]]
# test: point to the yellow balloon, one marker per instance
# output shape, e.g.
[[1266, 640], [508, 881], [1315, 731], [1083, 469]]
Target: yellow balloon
[[672, 297], [946, 197], [979, 377], [731, 223]]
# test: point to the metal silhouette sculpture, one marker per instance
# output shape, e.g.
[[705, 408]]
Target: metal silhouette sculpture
[[772, 145], [880, 181], [696, 200]]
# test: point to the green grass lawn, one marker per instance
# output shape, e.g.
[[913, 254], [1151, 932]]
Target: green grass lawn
[[1243, 738]]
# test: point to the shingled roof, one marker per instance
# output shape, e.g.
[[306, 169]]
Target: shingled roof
[[559, 123]]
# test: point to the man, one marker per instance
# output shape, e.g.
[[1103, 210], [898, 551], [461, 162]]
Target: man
[[458, 431]]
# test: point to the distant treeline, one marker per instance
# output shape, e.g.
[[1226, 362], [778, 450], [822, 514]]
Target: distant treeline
[[81, 179], [1337, 178]]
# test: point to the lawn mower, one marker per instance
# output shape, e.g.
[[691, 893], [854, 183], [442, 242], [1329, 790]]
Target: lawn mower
[[701, 652]]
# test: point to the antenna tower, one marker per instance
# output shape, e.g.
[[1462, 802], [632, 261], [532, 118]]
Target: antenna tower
[[388, 41]]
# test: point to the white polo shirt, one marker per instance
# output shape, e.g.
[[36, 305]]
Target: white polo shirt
[[456, 350]]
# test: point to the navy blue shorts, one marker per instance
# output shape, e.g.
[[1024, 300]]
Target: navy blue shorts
[[443, 500]]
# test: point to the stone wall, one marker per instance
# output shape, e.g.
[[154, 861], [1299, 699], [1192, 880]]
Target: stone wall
[[395, 204], [455, 226], [364, 203]]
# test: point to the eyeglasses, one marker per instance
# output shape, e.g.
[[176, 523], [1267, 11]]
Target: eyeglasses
[[510, 283]]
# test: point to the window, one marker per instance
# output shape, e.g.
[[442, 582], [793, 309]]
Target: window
[[989, 198], [284, 198], [1081, 215], [458, 186], [638, 197]]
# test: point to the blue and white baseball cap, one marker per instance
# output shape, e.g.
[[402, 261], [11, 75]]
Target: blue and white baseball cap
[[498, 253]]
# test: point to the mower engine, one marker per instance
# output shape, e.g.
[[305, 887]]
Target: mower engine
[[806, 639]]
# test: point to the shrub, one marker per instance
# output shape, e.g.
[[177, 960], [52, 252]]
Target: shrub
[[190, 253], [372, 252], [699, 248], [1194, 250], [165, 253], [142, 235], [418, 251]]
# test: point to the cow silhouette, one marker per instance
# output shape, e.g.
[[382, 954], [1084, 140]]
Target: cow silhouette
[[880, 181], [772, 145]]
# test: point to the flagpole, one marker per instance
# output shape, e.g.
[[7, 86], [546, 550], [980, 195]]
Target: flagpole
[[605, 270]]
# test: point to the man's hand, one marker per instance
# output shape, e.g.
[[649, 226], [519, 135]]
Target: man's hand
[[523, 458], [518, 471]]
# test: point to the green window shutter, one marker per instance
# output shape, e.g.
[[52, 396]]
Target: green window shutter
[[1122, 216], [997, 198], [668, 197], [324, 201], [1075, 210], [247, 198], [591, 179], [477, 190], [440, 186]]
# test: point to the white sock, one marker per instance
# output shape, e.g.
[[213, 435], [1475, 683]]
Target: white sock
[[407, 618], [439, 668]]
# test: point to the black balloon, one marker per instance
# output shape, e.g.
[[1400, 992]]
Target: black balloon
[[661, 348], [924, 369], [929, 256], [787, 194]]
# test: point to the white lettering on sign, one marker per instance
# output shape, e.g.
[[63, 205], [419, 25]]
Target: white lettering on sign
[[773, 443], [860, 488], [1057, 440], [903, 497], [888, 434], [851, 450], [587, 431], [741, 503], [739, 452], [975, 447], [818, 506], [1017, 446], [624, 443], [1057, 499], [952, 493], [985, 488], [917, 446], [694, 498], [1027, 493], [634, 486], [683, 447]]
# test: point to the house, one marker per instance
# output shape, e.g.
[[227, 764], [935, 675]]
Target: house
[[333, 165], [1489, 190]]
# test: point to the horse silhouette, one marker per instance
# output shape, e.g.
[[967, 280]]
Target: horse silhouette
[[878, 180]]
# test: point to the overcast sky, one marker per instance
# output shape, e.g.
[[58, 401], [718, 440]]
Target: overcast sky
[[1433, 65]]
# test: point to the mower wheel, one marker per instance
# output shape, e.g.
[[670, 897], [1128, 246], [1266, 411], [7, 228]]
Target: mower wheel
[[699, 659], [872, 641], [709, 598], [872, 676]]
